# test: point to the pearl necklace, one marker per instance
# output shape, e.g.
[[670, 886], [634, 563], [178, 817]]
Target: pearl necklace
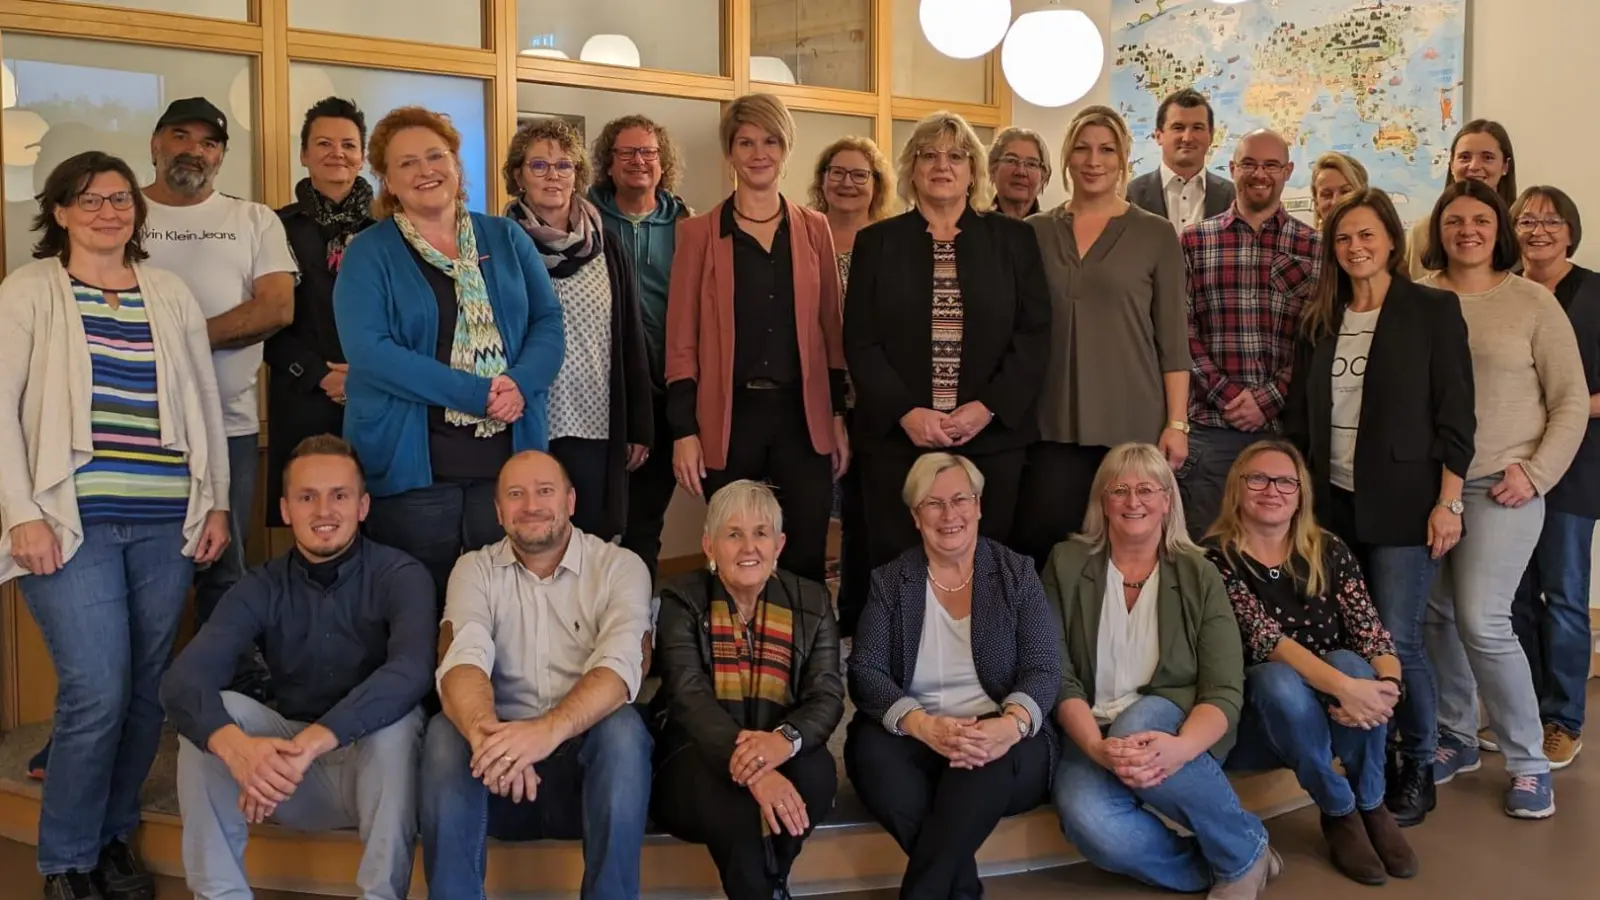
[[957, 588]]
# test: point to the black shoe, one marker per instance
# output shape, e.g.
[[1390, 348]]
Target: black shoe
[[71, 886], [1413, 794], [120, 876]]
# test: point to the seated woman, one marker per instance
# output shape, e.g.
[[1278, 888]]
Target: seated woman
[[952, 670], [1151, 684], [1323, 678], [745, 710]]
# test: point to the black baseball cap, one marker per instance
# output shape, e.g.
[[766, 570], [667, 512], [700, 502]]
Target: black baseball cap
[[195, 109]]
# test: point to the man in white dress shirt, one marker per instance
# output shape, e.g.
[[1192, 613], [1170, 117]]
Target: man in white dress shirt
[[541, 659], [1181, 190]]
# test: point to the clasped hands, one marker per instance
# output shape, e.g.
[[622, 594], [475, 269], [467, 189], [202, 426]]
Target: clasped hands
[[268, 770], [754, 765], [1244, 413], [931, 428], [504, 754], [1143, 760], [1364, 703], [968, 743], [505, 400]]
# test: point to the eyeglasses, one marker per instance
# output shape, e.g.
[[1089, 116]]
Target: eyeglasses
[[627, 154], [1271, 166], [838, 174], [1551, 223], [121, 200], [1016, 162], [1286, 484], [561, 168], [412, 164], [1145, 491], [954, 157], [961, 504]]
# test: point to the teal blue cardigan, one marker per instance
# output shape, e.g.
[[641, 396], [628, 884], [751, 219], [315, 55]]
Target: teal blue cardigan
[[388, 322]]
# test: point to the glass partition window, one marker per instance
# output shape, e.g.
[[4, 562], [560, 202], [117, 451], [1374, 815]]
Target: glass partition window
[[692, 125], [377, 92], [811, 43], [64, 96], [677, 35], [813, 132], [237, 10], [921, 71], [458, 22]]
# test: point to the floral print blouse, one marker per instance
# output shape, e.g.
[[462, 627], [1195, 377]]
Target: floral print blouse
[[1270, 609]]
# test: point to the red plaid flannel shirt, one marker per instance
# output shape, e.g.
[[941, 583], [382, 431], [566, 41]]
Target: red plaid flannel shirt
[[1246, 292]]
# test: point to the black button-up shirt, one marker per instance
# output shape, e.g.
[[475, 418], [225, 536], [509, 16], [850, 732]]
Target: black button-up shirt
[[765, 342]]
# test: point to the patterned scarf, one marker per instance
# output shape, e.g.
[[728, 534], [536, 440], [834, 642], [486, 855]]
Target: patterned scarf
[[340, 221], [565, 250], [478, 347], [751, 660]]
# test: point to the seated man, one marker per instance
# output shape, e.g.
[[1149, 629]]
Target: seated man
[[541, 636], [347, 628]]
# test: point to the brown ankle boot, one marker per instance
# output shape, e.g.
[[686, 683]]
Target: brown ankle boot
[[1389, 842], [1352, 850]]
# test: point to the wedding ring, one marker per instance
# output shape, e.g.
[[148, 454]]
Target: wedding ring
[[761, 760]]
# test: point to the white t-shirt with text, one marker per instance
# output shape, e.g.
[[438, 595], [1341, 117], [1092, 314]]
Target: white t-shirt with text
[[219, 247], [1349, 381]]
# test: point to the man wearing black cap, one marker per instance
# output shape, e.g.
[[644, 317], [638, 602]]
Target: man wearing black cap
[[233, 255]]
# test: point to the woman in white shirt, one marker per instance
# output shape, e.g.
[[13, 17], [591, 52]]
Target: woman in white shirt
[[952, 672], [1152, 677]]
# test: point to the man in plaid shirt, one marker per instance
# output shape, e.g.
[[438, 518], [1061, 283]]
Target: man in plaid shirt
[[1251, 271]]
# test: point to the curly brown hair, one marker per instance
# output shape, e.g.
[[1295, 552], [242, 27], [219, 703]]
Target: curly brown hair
[[549, 129], [600, 156], [385, 204], [882, 175]]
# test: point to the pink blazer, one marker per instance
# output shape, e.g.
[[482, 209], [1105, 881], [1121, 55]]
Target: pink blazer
[[700, 323]]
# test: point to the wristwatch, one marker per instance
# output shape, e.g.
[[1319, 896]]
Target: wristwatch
[[1455, 506], [1022, 726], [1175, 425], [792, 734]]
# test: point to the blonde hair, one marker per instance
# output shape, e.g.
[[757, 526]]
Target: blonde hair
[[765, 112], [386, 204], [882, 178], [928, 467], [563, 135], [1107, 118], [743, 496], [1015, 133], [1305, 535], [928, 132], [1144, 461], [1348, 168]]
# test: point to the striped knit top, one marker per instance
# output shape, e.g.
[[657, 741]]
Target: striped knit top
[[131, 477]]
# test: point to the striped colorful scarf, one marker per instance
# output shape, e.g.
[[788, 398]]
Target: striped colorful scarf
[[752, 660]]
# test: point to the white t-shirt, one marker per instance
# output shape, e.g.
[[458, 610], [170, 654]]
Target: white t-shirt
[[1349, 377], [219, 247], [1128, 647], [945, 682]]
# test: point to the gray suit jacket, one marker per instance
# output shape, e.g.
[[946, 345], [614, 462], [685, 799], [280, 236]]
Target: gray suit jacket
[[1146, 193]]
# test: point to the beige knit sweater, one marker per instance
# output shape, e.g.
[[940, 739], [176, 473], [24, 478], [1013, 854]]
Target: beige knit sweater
[[1532, 400]]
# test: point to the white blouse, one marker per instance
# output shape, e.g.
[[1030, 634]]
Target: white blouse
[[1128, 646], [945, 682]]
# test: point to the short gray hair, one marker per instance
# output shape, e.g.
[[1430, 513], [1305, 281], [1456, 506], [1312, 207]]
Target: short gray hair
[[1146, 461], [743, 496], [919, 481], [1011, 135]]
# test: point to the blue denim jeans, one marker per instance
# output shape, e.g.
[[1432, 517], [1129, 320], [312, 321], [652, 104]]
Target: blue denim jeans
[[1286, 723], [214, 580], [595, 787], [1204, 475], [436, 524], [1400, 579], [1551, 617], [108, 618], [1110, 825]]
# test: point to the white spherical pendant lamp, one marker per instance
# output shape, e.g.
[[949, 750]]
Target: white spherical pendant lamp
[[964, 29], [611, 49], [1052, 57]]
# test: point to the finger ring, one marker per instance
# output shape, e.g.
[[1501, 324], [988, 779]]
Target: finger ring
[[761, 760], [508, 757]]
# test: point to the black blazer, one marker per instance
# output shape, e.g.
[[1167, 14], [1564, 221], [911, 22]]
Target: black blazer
[[888, 323], [1417, 413], [1149, 194]]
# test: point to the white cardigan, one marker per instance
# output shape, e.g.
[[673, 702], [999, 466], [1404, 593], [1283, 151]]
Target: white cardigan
[[46, 385]]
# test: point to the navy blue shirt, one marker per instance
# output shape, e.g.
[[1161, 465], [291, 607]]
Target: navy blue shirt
[[1578, 491], [353, 656]]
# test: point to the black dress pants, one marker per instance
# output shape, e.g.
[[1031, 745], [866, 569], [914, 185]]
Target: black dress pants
[[890, 526], [855, 550], [1054, 496], [650, 490], [938, 815], [585, 460], [769, 441], [695, 800]]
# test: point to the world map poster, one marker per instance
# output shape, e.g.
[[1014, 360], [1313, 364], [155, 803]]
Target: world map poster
[[1377, 79]]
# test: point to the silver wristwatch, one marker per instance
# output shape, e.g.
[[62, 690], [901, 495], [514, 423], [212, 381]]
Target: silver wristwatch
[[1455, 506]]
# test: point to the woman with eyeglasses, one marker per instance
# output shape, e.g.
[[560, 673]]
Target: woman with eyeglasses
[[947, 330], [1551, 610], [1321, 677], [853, 186], [1152, 679], [1119, 354], [1532, 408], [454, 336], [114, 487], [601, 420], [1381, 406], [1019, 168]]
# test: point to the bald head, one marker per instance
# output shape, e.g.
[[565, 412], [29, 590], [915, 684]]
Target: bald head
[[1260, 169], [531, 466]]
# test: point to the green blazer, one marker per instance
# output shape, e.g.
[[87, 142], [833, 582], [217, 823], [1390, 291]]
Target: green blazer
[[1202, 660]]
